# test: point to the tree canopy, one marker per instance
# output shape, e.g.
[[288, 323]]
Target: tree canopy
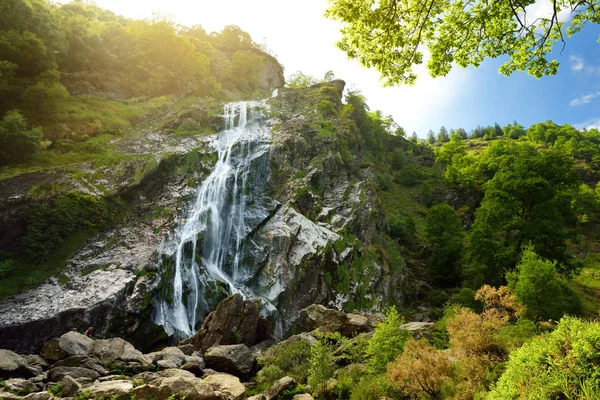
[[393, 36]]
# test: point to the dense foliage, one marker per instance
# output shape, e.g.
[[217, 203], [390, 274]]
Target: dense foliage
[[47, 48], [390, 35]]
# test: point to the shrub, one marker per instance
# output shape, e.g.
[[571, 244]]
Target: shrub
[[387, 342], [370, 388], [286, 359], [420, 369], [561, 364], [18, 142], [327, 109]]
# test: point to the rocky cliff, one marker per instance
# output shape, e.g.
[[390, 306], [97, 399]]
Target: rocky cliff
[[320, 243]]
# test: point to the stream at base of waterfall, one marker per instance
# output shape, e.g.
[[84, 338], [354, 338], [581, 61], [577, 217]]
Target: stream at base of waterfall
[[200, 260]]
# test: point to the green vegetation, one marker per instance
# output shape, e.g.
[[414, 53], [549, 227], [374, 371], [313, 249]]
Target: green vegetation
[[390, 35]]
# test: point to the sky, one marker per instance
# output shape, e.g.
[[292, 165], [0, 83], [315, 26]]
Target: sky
[[304, 40]]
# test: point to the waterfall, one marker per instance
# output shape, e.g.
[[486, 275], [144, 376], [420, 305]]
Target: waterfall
[[202, 258]]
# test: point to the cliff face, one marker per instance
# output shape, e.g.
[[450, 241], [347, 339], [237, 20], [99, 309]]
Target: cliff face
[[318, 244]]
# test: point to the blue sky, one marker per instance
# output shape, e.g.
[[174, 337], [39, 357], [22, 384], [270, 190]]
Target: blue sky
[[572, 96], [302, 39]]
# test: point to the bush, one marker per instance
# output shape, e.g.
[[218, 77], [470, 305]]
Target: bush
[[18, 142], [466, 298], [370, 388], [538, 288], [286, 359], [387, 342], [420, 369], [561, 364]]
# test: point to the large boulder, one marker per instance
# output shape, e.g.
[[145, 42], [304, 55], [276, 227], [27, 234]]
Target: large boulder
[[70, 344], [19, 385], [234, 321], [235, 359], [117, 390], [13, 365], [117, 349], [227, 386]]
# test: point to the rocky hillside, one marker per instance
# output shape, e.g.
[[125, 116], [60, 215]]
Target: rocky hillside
[[323, 242]]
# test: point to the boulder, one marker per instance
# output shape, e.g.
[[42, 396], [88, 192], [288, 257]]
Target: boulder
[[82, 362], [19, 385], [235, 359], [280, 386], [169, 373], [418, 329], [117, 349], [228, 386], [69, 344], [145, 377], [257, 397], [303, 396], [193, 364], [13, 365], [169, 357], [191, 388], [39, 396], [324, 319], [234, 321], [187, 349], [56, 374], [37, 364], [116, 390], [9, 396], [69, 386]]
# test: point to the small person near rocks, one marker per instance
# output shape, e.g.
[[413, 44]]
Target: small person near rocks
[[89, 332]]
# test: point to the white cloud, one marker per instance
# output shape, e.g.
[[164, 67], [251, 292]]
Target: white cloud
[[544, 9], [589, 124], [583, 99], [577, 63]]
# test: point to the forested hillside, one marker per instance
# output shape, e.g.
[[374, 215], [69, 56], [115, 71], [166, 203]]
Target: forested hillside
[[72, 72]]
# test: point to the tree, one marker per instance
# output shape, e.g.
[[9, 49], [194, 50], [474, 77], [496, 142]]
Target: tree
[[329, 76], [538, 288], [529, 199], [430, 137], [413, 137], [444, 234], [18, 142], [390, 35], [443, 135], [45, 100], [300, 80], [387, 342]]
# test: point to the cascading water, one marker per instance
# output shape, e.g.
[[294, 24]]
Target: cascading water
[[202, 259]]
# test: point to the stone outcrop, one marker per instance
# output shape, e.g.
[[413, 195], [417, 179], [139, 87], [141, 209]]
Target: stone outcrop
[[325, 320], [227, 386], [234, 321]]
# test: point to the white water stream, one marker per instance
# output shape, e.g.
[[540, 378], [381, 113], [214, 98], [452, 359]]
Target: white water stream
[[203, 255]]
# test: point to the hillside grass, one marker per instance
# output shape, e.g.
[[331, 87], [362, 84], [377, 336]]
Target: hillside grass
[[84, 132]]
